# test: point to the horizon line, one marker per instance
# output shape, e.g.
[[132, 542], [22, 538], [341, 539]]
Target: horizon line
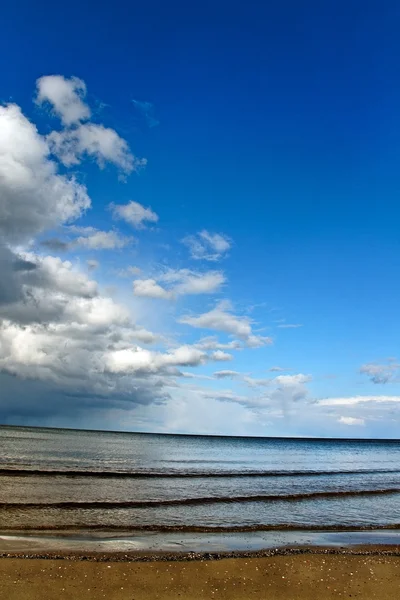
[[206, 435]]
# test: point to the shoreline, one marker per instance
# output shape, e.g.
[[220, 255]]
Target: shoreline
[[145, 557], [139, 545]]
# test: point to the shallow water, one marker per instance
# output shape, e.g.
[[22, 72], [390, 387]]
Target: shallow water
[[65, 479], [195, 542]]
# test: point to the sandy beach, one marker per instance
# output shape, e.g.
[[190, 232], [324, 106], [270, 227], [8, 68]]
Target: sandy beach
[[306, 576]]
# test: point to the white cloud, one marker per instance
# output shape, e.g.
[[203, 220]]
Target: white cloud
[[219, 355], [78, 140], [51, 273], [144, 361], [221, 318], [56, 328], [149, 288], [144, 336], [88, 238], [226, 374], [276, 369], [351, 421], [229, 396], [212, 343], [134, 213], [99, 312], [33, 197], [290, 325], [180, 282], [352, 400], [250, 381], [256, 341], [288, 380], [204, 283], [280, 399], [207, 246], [66, 96], [71, 348], [189, 375], [95, 239], [283, 394], [253, 383], [381, 373], [95, 141], [187, 282]]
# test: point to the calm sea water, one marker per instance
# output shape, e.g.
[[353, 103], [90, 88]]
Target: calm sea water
[[79, 480]]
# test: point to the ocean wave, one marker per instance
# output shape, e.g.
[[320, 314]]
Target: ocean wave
[[195, 528], [10, 471], [106, 505]]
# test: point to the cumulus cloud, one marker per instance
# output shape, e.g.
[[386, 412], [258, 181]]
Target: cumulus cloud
[[221, 318], [144, 361], [79, 140], [95, 239], [207, 246], [66, 347], [56, 322], [256, 341], [33, 196], [187, 282], [53, 274], [149, 288], [12, 268], [212, 343], [58, 329], [219, 355], [288, 390], [134, 213], [144, 336], [288, 380], [66, 97], [88, 238], [381, 373], [94, 141], [179, 282], [351, 421]]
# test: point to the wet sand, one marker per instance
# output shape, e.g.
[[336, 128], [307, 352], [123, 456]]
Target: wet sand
[[306, 575]]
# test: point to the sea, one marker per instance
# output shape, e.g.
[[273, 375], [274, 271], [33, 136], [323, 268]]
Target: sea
[[89, 485]]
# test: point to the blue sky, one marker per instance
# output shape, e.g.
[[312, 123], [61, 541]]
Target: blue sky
[[244, 163]]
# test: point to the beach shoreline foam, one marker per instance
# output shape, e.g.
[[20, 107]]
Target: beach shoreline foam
[[179, 543]]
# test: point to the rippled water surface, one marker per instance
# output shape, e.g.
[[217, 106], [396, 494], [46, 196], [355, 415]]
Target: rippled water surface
[[79, 480]]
